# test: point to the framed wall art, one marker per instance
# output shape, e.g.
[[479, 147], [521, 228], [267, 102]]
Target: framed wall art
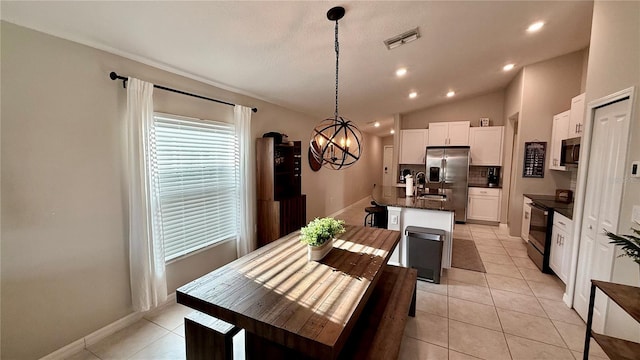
[[534, 155]]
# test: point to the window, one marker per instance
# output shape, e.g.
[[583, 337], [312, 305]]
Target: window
[[194, 174]]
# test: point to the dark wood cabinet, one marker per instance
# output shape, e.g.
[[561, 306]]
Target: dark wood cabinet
[[282, 208], [628, 298]]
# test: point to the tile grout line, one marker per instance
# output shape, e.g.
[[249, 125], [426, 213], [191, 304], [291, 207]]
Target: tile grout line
[[545, 312], [504, 334]]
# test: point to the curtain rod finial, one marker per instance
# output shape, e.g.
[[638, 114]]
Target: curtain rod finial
[[113, 75], [255, 110]]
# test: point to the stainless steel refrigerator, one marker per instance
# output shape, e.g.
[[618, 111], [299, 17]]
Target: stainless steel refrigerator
[[447, 169]]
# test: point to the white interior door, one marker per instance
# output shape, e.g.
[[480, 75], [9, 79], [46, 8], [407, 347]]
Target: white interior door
[[603, 198], [387, 167]]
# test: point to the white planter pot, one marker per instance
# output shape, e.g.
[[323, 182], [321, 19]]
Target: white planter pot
[[315, 253]]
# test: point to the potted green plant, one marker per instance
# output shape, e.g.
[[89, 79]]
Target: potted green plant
[[319, 235], [630, 244]]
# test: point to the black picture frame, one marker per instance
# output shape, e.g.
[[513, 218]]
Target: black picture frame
[[534, 159]]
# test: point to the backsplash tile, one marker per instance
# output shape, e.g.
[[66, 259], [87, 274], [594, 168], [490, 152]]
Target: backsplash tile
[[478, 175], [574, 180]]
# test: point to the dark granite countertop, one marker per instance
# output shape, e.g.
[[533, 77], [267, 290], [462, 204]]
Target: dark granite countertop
[[550, 202], [485, 186], [394, 196]]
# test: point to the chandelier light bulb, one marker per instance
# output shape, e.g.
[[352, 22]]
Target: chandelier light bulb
[[401, 72]]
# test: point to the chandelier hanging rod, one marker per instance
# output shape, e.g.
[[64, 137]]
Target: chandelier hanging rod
[[114, 76]]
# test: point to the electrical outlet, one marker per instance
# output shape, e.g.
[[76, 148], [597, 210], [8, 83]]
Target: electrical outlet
[[394, 219], [635, 214]]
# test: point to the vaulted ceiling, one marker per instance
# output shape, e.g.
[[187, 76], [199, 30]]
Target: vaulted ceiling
[[283, 52]]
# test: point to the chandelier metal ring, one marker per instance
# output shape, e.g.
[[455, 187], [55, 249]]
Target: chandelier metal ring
[[336, 142]]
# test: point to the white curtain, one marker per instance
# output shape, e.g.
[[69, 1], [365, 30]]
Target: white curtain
[[146, 254], [246, 235]]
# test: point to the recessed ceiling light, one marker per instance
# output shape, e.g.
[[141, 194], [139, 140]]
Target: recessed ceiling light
[[401, 72], [535, 26], [413, 95], [376, 124], [508, 67], [392, 131], [451, 93]]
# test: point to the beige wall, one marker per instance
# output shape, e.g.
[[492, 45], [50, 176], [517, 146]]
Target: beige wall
[[548, 87], [387, 140], [489, 105], [64, 226], [614, 64]]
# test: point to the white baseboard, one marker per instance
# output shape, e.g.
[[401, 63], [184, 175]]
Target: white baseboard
[[67, 351], [102, 333], [348, 207], [112, 328]]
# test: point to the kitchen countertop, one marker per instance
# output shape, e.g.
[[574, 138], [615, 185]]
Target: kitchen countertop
[[394, 196], [485, 186], [550, 202]]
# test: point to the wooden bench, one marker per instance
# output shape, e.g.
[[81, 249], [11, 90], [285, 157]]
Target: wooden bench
[[378, 332], [208, 338]]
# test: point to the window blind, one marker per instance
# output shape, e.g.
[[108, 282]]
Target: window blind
[[194, 171]]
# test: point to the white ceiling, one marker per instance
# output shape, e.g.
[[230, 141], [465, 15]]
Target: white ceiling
[[283, 52]]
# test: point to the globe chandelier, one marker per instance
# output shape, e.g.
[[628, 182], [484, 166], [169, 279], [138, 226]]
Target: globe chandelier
[[336, 142]]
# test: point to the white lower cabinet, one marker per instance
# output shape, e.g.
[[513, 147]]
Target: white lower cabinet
[[484, 204], [561, 238], [526, 219]]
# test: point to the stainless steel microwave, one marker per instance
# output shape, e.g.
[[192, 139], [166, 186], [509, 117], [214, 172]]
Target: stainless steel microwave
[[570, 155]]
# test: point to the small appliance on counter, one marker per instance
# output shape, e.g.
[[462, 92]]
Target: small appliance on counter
[[403, 174], [564, 196], [493, 176]]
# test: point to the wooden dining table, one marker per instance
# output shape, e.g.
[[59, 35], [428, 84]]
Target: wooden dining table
[[288, 306]]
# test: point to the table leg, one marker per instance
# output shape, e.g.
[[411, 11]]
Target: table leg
[[587, 336], [412, 307]]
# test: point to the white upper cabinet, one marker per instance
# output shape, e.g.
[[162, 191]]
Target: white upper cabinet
[[439, 134], [449, 133], [560, 132], [413, 144], [486, 145], [576, 119]]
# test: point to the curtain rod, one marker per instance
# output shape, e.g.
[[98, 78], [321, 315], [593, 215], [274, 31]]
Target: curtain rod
[[124, 79]]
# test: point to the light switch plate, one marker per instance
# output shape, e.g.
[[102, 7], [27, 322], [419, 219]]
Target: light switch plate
[[394, 219], [635, 214], [635, 169]]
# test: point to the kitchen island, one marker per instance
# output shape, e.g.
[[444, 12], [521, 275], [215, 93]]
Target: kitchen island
[[429, 211]]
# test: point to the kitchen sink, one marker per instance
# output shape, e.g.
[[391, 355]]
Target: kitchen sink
[[437, 197]]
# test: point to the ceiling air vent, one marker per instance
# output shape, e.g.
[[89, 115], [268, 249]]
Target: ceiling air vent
[[402, 39]]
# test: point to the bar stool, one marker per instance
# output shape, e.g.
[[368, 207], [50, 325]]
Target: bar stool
[[376, 215]]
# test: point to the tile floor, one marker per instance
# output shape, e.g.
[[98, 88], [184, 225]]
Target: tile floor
[[511, 312]]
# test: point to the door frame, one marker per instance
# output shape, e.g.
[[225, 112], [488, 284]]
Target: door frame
[[578, 206]]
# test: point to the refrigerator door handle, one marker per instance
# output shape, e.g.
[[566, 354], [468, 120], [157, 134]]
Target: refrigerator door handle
[[442, 170]]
